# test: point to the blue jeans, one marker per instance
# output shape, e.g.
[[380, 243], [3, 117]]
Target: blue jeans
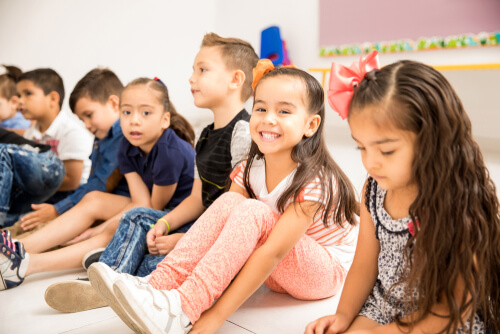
[[127, 252], [26, 177]]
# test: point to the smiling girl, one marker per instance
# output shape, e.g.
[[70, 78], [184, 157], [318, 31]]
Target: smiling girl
[[287, 221]]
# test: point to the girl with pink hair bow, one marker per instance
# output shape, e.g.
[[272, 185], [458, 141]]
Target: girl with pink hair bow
[[428, 252]]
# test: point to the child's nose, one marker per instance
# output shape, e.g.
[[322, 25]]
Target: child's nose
[[134, 118], [269, 118], [371, 162], [191, 79]]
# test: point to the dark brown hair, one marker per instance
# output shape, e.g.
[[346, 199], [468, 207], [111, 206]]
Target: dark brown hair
[[313, 159], [177, 122], [8, 82], [47, 80], [98, 85], [457, 206], [237, 55]]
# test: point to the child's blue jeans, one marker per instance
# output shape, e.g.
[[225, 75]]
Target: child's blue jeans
[[26, 177], [127, 252]]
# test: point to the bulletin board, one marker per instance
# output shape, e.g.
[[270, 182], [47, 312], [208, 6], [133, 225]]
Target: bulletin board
[[351, 27]]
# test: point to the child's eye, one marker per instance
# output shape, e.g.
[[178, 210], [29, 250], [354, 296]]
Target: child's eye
[[360, 148], [146, 113], [260, 109], [27, 93], [203, 69], [388, 152], [126, 112], [284, 112]]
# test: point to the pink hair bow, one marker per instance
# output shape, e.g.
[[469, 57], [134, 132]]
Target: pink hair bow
[[343, 80]]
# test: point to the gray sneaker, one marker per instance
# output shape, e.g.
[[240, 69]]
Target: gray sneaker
[[73, 296]]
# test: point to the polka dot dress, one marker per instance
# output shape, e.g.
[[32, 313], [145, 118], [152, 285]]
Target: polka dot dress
[[383, 305]]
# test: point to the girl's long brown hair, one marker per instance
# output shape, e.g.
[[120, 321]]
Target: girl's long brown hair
[[458, 241], [177, 122], [313, 159]]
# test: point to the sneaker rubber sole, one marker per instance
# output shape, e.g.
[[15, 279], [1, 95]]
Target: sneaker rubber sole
[[73, 296], [98, 278]]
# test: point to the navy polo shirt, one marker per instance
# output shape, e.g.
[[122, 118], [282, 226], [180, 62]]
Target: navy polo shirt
[[170, 161]]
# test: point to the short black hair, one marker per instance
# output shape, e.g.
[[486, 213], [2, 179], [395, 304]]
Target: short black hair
[[46, 79]]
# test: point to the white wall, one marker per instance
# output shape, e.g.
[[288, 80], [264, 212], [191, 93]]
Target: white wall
[[133, 38], [161, 38]]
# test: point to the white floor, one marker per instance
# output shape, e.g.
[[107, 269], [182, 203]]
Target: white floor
[[24, 309]]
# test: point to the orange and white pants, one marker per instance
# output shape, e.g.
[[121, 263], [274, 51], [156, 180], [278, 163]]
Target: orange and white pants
[[217, 246]]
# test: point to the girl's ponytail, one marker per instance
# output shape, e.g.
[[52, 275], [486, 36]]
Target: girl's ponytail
[[181, 126]]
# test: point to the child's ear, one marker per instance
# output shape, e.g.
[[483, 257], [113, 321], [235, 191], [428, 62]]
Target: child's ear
[[238, 79], [114, 102], [313, 125], [165, 120], [14, 102], [54, 97]]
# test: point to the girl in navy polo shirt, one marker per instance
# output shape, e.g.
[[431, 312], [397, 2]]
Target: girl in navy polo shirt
[[157, 159]]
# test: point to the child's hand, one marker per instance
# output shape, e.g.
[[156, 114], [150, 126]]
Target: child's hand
[[207, 325], [43, 213], [166, 243], [158, 230], [331, 324]]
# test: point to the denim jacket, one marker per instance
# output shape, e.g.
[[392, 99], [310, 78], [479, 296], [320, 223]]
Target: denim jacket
[[104, 159]]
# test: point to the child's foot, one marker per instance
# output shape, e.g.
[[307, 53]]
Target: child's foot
[[13, 261], [73, 296], [151, 310], [92, 257], [102, 278]]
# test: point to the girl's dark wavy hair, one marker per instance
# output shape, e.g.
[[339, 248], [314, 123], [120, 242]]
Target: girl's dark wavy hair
[[177, 122], [458, 241], [313, 159]]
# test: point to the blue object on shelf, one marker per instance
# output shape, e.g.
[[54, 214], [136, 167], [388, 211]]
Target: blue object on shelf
[[271, 46]]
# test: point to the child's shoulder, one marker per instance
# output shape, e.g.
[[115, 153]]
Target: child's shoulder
[[66, 126]]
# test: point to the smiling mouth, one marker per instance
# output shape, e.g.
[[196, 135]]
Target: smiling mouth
[[269, 136]]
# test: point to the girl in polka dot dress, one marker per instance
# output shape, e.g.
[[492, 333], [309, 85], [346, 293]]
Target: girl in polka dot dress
[[428, 253]]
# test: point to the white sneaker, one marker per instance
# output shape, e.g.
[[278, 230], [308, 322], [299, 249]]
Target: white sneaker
[[102, 278], [151, 310]]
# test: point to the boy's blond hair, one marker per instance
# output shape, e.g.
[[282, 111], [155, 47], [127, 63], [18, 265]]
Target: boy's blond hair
[[237, 54]]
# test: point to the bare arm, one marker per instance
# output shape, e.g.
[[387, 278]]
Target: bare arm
[[359, 282], [161, 195], [159, 242], [291, 226], [74, 169], [188, 210]]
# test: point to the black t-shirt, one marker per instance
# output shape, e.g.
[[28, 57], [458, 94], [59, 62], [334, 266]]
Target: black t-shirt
[[213, 158]]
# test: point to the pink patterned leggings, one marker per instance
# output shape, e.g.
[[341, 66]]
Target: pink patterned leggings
[[217, 246]]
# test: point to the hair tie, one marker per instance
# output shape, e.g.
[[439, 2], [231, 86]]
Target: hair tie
[[343, 80], [158, 79], [263, 67]]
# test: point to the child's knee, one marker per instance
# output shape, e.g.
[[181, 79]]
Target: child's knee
[[92, 197]]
